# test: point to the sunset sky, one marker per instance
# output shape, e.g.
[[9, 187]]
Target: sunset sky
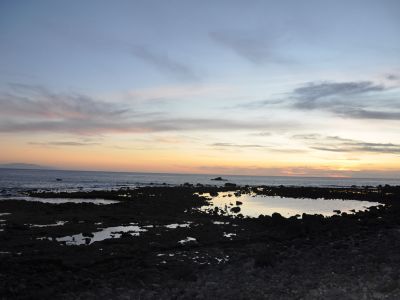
[[307, 88]]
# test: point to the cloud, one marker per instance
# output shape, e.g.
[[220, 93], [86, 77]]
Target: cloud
[[331, 94], [339, 144], [164, 64], [132, 126], [230, 145], [360, 113], [37, 109], [106, 43], [38, 102], [357, 100], [270, 103], [263, 133], [257, 50], [26, 108], [280, 149], [392, 77], [179, 92], [64, 143]]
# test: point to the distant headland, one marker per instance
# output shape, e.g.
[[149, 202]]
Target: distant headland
[[24, 166]]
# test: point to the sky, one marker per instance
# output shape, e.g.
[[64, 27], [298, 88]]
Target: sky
[[297, 88]]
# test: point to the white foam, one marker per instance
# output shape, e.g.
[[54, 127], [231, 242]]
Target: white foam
[[187, 240]]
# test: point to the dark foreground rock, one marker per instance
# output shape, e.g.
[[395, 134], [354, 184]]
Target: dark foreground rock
[[187, 254]]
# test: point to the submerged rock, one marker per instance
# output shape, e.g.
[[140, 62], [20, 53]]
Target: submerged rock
[[219, 179]]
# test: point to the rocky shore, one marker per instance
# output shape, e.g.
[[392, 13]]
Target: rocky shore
[[155, 243]]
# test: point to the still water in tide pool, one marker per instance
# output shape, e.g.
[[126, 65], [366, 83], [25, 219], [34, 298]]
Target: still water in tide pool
[[254, 205]]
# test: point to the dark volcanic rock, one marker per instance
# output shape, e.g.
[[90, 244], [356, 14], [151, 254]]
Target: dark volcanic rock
[[219, 179], [228, 184], [235, 209], [349, 256]]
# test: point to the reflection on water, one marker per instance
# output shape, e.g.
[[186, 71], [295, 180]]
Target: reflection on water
[[58, 223], [254, 205], [174, 226], [187, 240], [109, 233], [105, 233], [61, 200]]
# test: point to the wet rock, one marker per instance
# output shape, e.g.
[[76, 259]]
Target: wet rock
[[344, 256], [228, 184], [235, 209], [277, 216], [265, 259]]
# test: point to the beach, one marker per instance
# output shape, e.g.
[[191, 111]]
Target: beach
[[160, 242]]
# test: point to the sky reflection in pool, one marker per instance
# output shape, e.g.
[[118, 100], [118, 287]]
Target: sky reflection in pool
[[58, 223], [255, 205], [105, 233]]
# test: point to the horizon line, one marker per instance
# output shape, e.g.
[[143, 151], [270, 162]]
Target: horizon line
[[44, 168]]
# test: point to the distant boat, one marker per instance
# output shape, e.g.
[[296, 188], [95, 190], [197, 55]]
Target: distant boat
[[58, 179]]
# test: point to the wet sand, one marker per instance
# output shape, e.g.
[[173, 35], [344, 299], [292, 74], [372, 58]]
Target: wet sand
[[156, 243]]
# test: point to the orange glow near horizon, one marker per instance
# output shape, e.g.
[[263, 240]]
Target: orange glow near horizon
[[197, 160]]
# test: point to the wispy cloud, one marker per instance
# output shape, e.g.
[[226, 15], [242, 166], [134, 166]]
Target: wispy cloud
[[339, 144], [263, 133], [357, 100], [269, 103], [179, 92], [37, 109], [268, 148], [361, 113], [64, 143], [164, 63], [230, 145], [39, 102], [258, 49], [94, 40], [131, 126], [394, 77], [331, 94]]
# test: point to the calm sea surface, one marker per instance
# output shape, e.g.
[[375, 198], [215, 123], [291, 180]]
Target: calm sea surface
[[15, 181]]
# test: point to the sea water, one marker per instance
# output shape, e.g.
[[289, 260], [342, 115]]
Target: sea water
[[15, 181]]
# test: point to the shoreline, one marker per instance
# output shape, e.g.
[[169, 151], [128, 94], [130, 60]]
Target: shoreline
[[181, 251]]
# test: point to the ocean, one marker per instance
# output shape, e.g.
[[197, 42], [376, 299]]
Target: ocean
[[15, 181]]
